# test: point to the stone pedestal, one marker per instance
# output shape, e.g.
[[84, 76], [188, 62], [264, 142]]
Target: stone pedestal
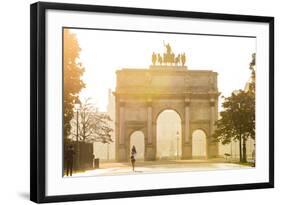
[[122, 154], [213, 150], [187, 151], [150, 153]]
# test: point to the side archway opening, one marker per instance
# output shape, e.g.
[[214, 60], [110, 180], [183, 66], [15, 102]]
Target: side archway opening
[[199, 144]]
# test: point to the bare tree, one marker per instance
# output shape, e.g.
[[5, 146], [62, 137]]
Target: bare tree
[[93, 126]]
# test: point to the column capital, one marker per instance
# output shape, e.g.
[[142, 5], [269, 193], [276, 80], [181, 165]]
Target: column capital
[[121, 103], [212, 102], [149, 102], [187, 101]]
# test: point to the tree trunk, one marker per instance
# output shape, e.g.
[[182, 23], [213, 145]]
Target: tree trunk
[[94, 154], [94, 150], [244, 150], [240, 149]]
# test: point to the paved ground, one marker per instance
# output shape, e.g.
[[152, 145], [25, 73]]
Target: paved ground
[[160, 166]]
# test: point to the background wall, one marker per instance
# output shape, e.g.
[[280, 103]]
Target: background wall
[[14, 100]]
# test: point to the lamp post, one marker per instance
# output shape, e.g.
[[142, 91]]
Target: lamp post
[[77, 107]]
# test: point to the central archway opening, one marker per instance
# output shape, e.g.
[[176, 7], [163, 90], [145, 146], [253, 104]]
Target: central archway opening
[[199, 144], [168, 136], [137, 140]]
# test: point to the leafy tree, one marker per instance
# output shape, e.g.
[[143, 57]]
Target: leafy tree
[[252, 92], [237, 120], [93, 126], [73, 71], [252, 67]]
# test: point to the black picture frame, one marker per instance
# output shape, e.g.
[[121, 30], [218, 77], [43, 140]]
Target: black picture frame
[[38, 100]]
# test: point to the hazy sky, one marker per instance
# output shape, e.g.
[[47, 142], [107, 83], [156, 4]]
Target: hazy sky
[[104, 52]]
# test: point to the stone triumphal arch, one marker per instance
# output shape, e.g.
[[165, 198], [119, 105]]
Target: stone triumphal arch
[[142, 94]]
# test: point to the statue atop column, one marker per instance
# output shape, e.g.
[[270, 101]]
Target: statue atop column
[[159, 59], [183, 59], [168, 48], [168, 57], [154, 58]]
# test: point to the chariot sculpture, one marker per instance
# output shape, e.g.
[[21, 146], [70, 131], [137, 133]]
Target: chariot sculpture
[[168, 57]]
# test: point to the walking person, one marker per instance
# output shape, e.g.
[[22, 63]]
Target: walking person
[[69, 155], [133, 156]]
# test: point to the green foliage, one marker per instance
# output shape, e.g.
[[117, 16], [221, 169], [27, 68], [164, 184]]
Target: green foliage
[[252, 67], [72, 72], [237, 119]]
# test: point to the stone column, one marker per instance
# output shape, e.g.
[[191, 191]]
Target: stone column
[[149, 122], [187, 121], [212, 115], [121, 135], [121, 123], [187, 144], [149, 147], [212, 148]]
